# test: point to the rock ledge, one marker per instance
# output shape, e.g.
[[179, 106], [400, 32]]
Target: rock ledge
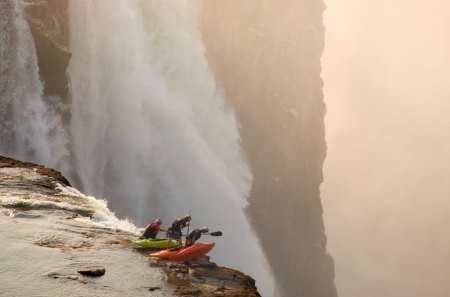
[[202, 278]]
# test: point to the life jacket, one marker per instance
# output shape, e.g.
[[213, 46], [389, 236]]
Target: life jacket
[[151, 230], [174, 230], [174, 233], [193, 236]]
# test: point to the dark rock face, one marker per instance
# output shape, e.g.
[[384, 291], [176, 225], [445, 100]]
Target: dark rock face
[[92, 271], [203, 278], [49, 25], [48, 21], [53, 174], [268, 61]]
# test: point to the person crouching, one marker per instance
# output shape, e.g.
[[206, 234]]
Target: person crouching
[[195, 235]]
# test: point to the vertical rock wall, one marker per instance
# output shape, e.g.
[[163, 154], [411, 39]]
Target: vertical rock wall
[[49, 25], [48, 21], [266, 55]]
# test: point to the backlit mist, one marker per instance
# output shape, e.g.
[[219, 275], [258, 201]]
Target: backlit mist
[[386, 192]]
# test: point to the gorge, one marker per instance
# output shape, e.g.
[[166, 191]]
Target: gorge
[[147, 104]]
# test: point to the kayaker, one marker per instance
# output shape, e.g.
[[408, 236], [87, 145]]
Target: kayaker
[[151, 231], [195, 235], [174, 231]]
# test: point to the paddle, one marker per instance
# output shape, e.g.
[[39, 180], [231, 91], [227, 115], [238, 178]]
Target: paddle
[[189, 224], [217, 233]]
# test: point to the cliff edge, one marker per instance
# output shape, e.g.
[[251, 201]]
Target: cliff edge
[[59, 241]]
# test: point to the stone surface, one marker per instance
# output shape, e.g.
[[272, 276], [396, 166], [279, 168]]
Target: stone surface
[[203, 278], [92, 271], [52, 173]]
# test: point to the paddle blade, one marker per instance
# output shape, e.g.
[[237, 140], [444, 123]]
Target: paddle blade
[[217, 233]]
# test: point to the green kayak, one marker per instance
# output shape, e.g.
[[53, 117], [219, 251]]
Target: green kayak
[[158, 243]]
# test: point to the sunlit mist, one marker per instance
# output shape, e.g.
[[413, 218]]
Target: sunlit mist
[[386, 190]]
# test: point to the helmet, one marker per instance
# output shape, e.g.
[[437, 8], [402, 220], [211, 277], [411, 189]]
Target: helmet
[[187, 218], [158, 221], [204, 230]]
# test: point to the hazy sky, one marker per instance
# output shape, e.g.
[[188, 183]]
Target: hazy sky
[[386, 193]]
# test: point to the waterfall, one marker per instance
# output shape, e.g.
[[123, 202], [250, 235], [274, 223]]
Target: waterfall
[[30, 127], [150, 131]]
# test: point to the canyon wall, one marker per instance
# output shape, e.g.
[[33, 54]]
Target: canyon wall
[[266, 56], [48, 22]]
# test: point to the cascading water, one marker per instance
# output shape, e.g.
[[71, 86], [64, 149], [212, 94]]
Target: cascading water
[[30, 128], [149, 129]]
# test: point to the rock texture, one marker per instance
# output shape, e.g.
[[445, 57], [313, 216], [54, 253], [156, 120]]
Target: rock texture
[[203, 278], [92, 271], [48, 20], [266, 56], [51, 173]]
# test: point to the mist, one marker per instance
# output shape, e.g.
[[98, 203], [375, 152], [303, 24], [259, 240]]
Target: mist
[[386, 189]]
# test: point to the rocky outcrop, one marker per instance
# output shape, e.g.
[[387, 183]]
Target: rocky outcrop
[[49, 172], [48, 22], [69, 250], [266, 56], [92, 271], [203, 278]]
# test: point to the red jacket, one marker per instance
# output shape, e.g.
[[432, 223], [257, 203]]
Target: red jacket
[[151, 230]]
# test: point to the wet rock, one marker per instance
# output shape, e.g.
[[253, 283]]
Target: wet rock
[[27, 216], [53, 174], [54, 241], [92, 271], [188, 292], [203, 278], [59, 275], [203, 262], [112, 242], [74, 216], [51, 241]]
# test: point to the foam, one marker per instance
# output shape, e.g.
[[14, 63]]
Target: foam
[[102, 216]]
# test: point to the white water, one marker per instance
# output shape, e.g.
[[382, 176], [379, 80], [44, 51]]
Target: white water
[[150, 132], [149, 129], [30, 129]]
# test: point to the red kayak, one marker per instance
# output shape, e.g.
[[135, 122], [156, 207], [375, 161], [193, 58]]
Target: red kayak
[[185, 254], [166, 254]]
